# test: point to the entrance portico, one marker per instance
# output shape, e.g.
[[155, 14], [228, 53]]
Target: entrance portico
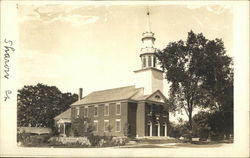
[[63, 126]]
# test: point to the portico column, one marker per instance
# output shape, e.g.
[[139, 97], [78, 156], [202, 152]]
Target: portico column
[[64, 129], [166, 130], [151, 129], [159, 130]]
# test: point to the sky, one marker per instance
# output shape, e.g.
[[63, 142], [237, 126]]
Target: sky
[[97, 47]]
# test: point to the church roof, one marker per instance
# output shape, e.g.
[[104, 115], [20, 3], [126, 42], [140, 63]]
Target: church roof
[[115, 94], [65, 115]]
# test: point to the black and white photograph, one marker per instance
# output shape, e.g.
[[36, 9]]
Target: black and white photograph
[[125, 79]]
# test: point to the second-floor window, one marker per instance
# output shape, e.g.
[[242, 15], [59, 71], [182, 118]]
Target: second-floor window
[[77, 112], [106, 110], [95, 110], [85, 111], [118, 108]]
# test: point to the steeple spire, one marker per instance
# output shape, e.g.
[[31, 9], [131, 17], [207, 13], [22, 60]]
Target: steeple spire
[[148, 21]]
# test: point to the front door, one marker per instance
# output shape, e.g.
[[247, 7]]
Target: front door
[[157, 129], [149, 129]]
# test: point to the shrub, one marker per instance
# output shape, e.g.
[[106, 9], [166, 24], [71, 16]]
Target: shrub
[[23, 137], [82, 141], [94, 140], [39, 138], [112, 141]]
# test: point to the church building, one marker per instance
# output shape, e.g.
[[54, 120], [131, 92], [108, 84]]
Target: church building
[[140, 109]]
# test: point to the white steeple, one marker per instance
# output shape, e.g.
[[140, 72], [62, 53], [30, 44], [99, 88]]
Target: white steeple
[[149, 76]]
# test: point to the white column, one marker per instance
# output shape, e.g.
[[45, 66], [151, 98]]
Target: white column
[[166, 129], [150, 134], [152, 61], [64, 129], [159, 128]]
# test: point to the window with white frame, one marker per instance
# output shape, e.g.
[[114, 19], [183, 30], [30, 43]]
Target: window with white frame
[[95, 125], [106, 125], [86, 111], [117, 125], [106, 110], [118, 108], [77, 112], [96, 110]]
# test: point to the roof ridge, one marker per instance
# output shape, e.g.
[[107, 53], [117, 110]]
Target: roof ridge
[[113, 88]]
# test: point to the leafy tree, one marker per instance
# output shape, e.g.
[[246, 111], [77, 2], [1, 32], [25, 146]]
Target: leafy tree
[[197, 70], [38, 105], [82, 127], [202, 125]]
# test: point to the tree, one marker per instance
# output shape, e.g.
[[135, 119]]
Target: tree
[[38, 105], [202, 124], [197, 70], [82, 127]]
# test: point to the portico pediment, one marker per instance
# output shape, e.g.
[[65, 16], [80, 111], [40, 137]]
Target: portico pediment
[[157, 97]]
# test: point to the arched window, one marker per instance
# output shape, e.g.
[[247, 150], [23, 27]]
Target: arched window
[[149, 61]]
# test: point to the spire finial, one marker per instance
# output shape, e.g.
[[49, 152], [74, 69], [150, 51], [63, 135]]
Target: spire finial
[[148, 20]]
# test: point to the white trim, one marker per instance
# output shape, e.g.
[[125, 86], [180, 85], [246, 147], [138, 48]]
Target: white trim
[[104, 125], [118, 103], [118, 120], [106, 105]]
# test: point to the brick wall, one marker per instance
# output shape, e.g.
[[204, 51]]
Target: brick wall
[[132, 108], [140, 119], [111, 117]]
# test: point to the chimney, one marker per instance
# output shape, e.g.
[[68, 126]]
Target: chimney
[[80, 94]]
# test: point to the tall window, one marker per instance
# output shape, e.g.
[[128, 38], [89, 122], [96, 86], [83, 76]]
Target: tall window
[[95, 125], [106, 125], [154, 62], [96, 110], [143, 61], [117, 125], [106, 110], [149, 61], [85, 111], [118, 108], [77, 112]]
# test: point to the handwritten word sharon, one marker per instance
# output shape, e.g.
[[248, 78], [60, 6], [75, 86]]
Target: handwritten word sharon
[[7, 49]]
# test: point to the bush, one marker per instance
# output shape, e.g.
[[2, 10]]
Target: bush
[[81, 141], [94, 140], [23, 137], [28, 139], [112, 141], [39, 138]]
